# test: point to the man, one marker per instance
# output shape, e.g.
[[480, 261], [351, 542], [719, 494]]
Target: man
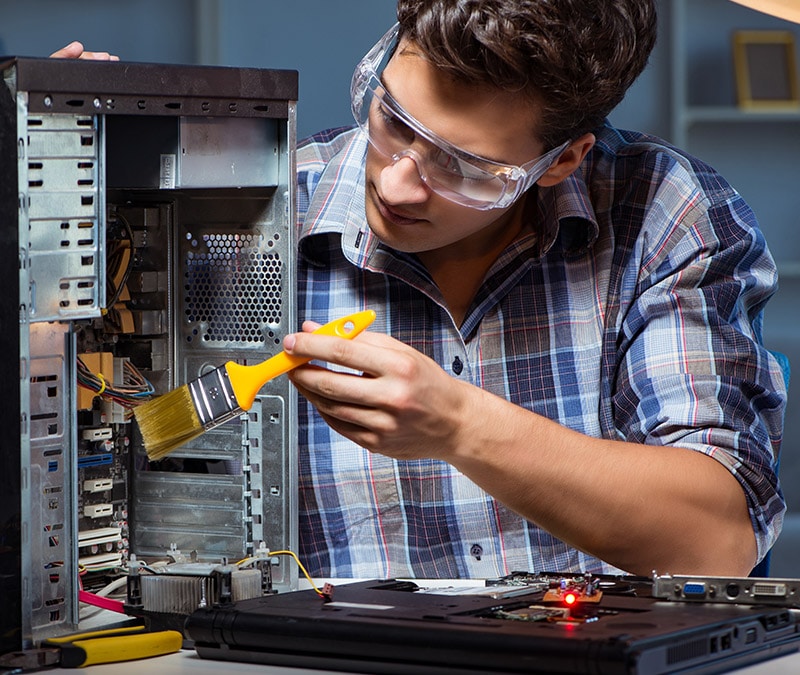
[[566, 372], [574, 378]]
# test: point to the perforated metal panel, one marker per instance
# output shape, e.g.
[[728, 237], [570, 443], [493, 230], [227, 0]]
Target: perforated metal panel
[[233, 290]]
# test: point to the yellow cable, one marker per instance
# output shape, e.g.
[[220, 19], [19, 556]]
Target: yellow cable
[[302, 569], [299, 564]]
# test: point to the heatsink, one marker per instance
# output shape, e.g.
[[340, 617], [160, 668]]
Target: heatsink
[[182, 588]]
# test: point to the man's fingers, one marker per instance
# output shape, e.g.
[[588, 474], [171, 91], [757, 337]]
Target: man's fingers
[[310, 326], [72, 51], [320, 385], [330, 349], [75, 50], [99, 56]]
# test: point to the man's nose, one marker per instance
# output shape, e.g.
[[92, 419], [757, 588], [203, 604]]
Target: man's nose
[[401, 182]]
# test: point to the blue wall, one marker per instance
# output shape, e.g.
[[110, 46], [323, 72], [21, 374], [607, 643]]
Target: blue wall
[[140, 30], [322, 39]]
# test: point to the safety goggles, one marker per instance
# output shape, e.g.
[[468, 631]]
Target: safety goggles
[[453, 173]]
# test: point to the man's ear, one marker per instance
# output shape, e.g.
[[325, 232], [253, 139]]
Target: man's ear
[[568, 161]]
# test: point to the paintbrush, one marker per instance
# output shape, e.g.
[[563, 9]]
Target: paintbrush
[[177, 417]]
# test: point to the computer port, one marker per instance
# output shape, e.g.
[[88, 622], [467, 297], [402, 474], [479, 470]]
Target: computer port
[[98, 485], [774, 590], [694, 589], [93, 435], [98, 510]]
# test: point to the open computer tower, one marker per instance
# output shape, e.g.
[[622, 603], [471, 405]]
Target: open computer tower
[[146, 237]]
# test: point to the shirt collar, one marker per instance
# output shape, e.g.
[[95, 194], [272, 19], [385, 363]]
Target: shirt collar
[[568, 204], [338, 206]]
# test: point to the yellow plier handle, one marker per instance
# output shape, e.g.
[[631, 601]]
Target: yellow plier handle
[[114, 644]]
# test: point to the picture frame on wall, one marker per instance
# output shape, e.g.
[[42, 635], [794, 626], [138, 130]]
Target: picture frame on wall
[[766, 70]]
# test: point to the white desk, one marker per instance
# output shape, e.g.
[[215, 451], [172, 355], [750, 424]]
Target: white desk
[[187, 662]]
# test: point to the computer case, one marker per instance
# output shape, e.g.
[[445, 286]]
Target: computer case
[[146, 237]]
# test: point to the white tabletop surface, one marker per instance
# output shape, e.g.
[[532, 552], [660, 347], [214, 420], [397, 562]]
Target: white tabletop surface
[[186, 662]]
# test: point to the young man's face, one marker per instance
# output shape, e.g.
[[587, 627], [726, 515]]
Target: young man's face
[[401, 209]]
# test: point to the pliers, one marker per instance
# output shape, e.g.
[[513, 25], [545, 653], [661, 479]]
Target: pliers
[[89, 648]]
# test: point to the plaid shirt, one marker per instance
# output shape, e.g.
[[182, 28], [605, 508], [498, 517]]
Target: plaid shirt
[[631, 311]]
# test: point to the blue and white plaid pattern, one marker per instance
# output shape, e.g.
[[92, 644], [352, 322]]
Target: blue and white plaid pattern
[[640, 322]]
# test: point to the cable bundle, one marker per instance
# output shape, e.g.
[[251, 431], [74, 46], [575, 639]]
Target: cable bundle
[[136, 389]]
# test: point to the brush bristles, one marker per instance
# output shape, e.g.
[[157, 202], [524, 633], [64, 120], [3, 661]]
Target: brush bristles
[[168, 422]]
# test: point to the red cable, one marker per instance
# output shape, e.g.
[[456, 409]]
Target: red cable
[[100, 601]]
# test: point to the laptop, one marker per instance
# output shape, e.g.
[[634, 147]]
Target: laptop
[[524, 623]]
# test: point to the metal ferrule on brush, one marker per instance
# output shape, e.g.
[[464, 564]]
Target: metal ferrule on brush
[[214, 399]]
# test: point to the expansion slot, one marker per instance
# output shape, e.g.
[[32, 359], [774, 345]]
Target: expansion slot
[[101, 535]]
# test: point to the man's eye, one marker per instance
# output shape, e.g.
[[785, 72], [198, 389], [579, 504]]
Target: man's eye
[[457, 169], [395, 126], [446, 162]]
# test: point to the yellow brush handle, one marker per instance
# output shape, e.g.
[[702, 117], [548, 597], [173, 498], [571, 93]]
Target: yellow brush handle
[[248, 380]]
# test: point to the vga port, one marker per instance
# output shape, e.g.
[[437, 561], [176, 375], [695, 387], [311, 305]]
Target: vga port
[[694, 589]]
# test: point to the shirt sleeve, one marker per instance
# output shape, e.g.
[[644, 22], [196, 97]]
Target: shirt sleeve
[[693, 371]]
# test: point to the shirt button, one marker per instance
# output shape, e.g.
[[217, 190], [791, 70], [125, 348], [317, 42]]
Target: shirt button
[[457, 366], [476, 551]]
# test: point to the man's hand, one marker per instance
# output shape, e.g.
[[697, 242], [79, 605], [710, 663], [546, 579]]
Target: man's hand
[[404, 405], [75, 50]]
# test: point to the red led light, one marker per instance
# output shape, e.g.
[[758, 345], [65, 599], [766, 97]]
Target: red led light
[[570, 598]]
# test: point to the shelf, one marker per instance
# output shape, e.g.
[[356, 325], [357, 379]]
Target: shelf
[[789, 270], [713, 114]]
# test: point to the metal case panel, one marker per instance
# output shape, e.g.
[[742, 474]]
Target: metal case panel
[[64, 214], [203, 272], [50, 522]]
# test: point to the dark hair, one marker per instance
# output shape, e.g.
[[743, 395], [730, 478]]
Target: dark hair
[[574, 58]]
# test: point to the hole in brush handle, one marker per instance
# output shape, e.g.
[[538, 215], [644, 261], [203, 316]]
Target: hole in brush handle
[[348, 326]]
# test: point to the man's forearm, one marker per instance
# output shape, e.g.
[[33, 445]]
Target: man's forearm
[[637, 507]]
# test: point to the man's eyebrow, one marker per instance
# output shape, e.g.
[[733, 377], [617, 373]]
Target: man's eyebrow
[[406, 48], [456, 149]]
